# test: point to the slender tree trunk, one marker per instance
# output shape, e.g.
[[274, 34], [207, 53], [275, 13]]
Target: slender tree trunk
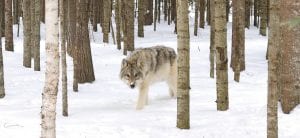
[[42, 11], [183, 80], [71, 27], [212, 43], [165, 10], [273, 68], [155, 14], [290, 51], [49, 96], [255, 10], [106, 20], [36, 35], [63, 17], [129, 19], [220, 42], [196, 17], [159, 11], [16, 11], [124, 28], [247, 15], [141, 18], [118, 22], [2, 89], [208, 12], [9, 43], [95, 13], [2, 16], [238, 38], [27, 34], [202, 13], [264, 17]]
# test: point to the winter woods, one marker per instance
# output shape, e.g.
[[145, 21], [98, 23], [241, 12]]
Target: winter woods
[[63, 40]]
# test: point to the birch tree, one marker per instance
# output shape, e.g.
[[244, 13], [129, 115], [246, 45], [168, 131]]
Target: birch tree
[[183, 79], [49, 96]]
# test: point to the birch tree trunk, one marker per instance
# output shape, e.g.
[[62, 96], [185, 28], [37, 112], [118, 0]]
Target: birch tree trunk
[[220, 42], [183, 79], [49, 96], [9, 43], [273, 68]]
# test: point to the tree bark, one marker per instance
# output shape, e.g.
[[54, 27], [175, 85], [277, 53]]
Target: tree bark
[[202, 13], [36, 35], [196, 17], [273, 68], [85, 70], [118, 22], [212, 43], [49, 96], [290, 51], [263, 17], [2, 89], [238, 38], [183, 79], [63, 17], [129, 19], [27, 34], [220, 42], [71, 27], [9, 43], [106, 20], [141, 18]]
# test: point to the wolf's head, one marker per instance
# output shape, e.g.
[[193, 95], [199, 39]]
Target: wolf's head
[[131, 72]]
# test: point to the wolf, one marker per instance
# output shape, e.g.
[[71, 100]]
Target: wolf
[[146, 66]]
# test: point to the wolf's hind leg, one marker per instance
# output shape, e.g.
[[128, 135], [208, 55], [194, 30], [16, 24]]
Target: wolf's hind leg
[[143, 97], [172, 81]]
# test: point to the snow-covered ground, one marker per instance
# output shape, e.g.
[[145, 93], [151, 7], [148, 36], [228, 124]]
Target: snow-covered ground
[[106, 108]]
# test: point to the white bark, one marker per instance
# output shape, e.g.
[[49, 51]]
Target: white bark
[[49, 95]]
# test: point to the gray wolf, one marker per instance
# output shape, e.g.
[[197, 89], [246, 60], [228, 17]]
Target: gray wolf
[[146, 66]]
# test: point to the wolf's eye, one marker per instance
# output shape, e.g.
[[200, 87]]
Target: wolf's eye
[[127, 75], [135, 75]]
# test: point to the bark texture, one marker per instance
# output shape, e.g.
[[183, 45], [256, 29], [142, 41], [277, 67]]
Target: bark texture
[[290, 51], [238, 38], [273, 68], [9, 43], [27, 34], [49, 96], [183, 79], [220, 42]]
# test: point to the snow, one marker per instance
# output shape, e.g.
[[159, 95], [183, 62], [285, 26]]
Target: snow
[[106, 107]]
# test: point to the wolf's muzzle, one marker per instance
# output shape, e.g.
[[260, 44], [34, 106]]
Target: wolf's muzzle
[[132, 86]]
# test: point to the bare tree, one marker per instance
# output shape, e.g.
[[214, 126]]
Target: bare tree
[[63, 27], [220, 43], [273, 68], [183, 79], [2, 89], [27, 34], [238, 38], [290, 51], [9, 43], [49, 96], [36, 35]]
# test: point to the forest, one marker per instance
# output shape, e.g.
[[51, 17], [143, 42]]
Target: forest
[[153, 68]]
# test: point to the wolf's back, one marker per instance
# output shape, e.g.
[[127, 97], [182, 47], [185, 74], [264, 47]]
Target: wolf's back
[[154, 57]]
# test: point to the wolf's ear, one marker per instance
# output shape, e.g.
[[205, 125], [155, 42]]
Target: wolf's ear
[[124, 63]]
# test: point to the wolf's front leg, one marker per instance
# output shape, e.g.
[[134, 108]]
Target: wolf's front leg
[[143, 97]]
